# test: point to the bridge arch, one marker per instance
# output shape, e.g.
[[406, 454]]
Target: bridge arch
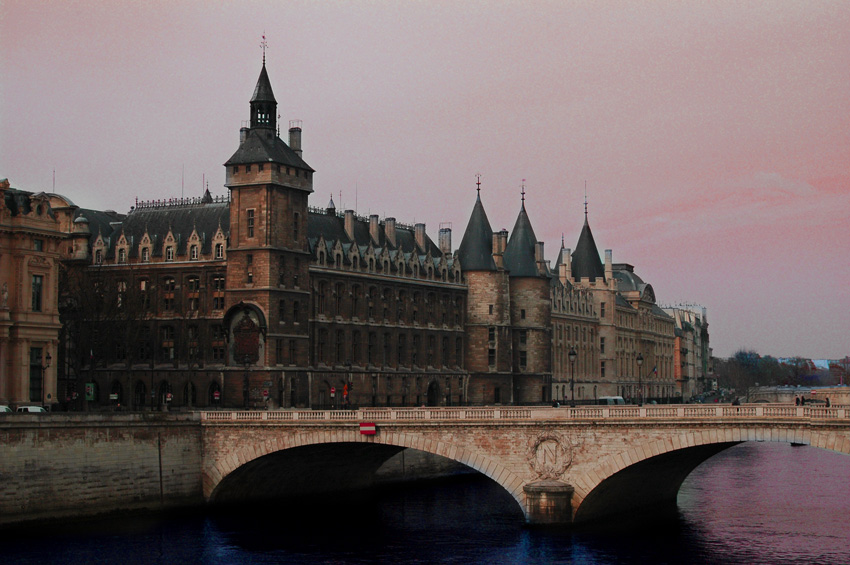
[[648, 474], [215, 475]]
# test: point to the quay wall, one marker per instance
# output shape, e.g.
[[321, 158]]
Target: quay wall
[[62, 465]]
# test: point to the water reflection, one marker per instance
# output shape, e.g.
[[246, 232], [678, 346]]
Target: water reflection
[[754, 503]]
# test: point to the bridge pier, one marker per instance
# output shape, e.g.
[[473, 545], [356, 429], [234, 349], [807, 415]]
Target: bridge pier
[[549, 502]]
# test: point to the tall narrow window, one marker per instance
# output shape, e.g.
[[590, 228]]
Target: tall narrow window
[[37, 286], [219, 251], [296, 218], [250, 223]]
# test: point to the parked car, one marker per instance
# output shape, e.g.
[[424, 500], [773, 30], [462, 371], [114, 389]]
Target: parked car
[[5, 409], [31, 409]]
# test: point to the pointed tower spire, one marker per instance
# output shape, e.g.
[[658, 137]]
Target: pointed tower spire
[[585, 259], [520, 254], [476, 247], [263, 103]]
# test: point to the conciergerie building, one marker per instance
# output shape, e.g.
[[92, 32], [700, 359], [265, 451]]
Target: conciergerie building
[[259, 300]]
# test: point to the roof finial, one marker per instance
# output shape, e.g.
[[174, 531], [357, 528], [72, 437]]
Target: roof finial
[[263, 45], [562, 240], [585, 200], [478, 183], [523, 192]]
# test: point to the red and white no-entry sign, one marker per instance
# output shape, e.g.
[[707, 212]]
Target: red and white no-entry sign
[[368, 428]]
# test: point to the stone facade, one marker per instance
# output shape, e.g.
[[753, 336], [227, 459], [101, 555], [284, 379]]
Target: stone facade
[[32, 243], [259, 300]]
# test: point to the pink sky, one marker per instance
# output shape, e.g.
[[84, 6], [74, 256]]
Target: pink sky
[[714, 137]]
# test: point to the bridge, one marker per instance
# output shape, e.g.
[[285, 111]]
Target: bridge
[[561, 465]]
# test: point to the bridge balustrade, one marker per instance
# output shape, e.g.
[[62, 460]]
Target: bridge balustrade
[[534, 413]]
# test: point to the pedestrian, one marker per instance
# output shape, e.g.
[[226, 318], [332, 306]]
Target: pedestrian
[[796, 400], [827, 402], [802, 401]]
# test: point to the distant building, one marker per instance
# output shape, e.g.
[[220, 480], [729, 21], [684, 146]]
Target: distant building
[[692, 352], [257, 299]]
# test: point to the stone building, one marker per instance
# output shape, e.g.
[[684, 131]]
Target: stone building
[[632, 345], [258, 299], [31, 245], [692, 354]]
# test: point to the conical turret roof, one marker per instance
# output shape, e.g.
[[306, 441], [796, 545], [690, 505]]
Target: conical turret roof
[[263, 90], [476, 247], [586, 262], [520, 252]]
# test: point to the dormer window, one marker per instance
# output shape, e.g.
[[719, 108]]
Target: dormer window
[[219, 251], [169, 253], [193, 253], [146, 254], [122, 255], [98, 257]]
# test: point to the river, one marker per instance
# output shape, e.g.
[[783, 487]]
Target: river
[[754, 503]]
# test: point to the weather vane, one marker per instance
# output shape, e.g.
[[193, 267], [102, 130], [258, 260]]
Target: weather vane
[[478, 183], [523, 191], [263, 45]]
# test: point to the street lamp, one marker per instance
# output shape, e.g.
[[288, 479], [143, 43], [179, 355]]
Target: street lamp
[[640, 384], [246, 360], [572, 355], [47, 359]]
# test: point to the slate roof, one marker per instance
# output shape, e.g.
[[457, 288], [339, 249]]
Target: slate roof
[[476, 247], [520, 252], [181, 220], [585, 259], [332, 228], [100, 221], [262, 145], [263, 90]]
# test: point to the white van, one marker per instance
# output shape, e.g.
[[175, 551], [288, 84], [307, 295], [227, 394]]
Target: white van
[[611, 400], [34, 409], [5, 409]]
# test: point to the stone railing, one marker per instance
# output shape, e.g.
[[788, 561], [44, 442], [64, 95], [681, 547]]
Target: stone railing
[[670, 412]]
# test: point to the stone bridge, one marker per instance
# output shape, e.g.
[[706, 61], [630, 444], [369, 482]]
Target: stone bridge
[[561, 465]]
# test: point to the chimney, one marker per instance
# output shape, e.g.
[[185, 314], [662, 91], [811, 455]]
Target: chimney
[[374, 229], [540, 258], [609, 268], [389, 230], [503, 241], [295, 136], [446, 240], [566, 267], [419, 233], [349, 224], [243, 135]]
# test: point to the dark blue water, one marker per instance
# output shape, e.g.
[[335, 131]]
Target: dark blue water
[[754, 503]]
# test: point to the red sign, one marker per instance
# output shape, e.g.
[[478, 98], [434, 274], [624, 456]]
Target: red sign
[[265, 394], [368, 428], [216, 395]]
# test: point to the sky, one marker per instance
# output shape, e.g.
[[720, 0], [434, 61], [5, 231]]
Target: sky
[[711, 139]]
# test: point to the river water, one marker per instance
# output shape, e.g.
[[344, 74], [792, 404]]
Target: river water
[[754, 503]]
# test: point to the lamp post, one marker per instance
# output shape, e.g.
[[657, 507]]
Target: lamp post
[[640, 384], [246, 360], [572, 355], [44, 367]]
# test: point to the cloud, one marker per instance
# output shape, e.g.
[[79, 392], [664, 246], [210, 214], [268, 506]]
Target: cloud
[[770, 182]]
